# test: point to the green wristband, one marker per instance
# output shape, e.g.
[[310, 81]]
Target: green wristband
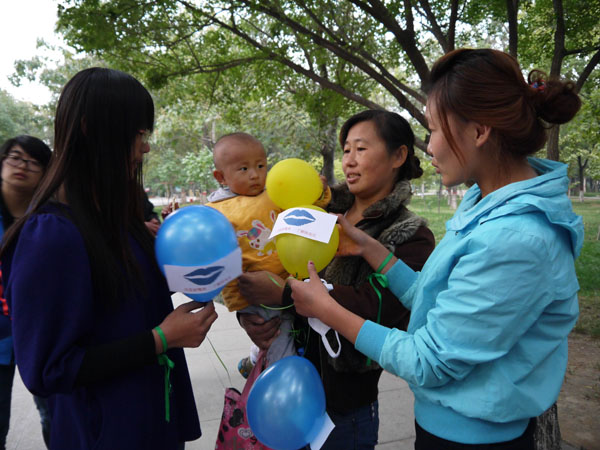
[[384, 263], [164, 360], [162, 338]]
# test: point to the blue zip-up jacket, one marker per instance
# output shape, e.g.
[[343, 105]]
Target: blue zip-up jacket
[[486, 346]]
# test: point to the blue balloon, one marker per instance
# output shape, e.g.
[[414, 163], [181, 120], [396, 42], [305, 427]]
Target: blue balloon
[[286, 405], [194, 236]]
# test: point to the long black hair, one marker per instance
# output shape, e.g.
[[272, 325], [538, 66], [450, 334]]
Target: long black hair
[[99, 115]]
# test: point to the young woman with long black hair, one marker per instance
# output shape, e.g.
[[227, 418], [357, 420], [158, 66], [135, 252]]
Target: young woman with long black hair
[[90, 308]]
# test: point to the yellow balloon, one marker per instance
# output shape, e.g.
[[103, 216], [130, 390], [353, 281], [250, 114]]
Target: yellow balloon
[[295, 251], [293, 182]]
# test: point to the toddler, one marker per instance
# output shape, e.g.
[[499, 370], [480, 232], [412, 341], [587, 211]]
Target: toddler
[[241, 170]]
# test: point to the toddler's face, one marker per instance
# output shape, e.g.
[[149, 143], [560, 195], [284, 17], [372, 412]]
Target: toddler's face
[[243, 166]]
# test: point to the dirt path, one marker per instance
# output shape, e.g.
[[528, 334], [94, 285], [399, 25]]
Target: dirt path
[[579, 400]]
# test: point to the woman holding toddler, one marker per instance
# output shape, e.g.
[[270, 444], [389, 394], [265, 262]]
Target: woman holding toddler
[[378, 163]]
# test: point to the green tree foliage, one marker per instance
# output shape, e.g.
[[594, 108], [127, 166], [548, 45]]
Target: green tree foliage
[[562, 37], [580, 139], [17, 117], [198, 171], [52, 72], [164, 175], [222, 51], [325, 53]]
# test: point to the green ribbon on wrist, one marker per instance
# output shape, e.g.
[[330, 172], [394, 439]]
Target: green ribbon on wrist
[[384, 283], [384, 263], [162, 337], [164, 360]]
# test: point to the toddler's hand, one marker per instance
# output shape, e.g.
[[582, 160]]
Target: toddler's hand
[[262, 332], [261, 287]]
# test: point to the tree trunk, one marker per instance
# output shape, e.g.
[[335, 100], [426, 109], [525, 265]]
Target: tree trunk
[[439, 194], [581, 166], [327, 170], [328, 152], [552, 145], [452, 193], [512, 9], [555, 69], [547, 431]]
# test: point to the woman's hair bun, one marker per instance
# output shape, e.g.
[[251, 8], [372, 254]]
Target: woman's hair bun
[[554, 101]]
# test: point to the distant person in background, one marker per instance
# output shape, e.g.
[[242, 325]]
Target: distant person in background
[[24, 161]]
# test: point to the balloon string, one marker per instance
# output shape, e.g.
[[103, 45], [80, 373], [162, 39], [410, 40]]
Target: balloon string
[[219, 358], [275, 308], [164, 360], [273, 280], [298, 335]]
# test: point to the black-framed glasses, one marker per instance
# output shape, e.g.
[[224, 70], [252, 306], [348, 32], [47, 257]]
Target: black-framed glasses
[[16, 160], [145, 134]]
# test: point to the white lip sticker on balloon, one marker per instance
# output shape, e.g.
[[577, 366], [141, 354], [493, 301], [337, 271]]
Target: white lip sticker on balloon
[[200, 279], [305, 222]]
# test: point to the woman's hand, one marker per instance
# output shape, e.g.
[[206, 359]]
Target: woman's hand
[[261, 287], [185, 328], [153, 225], [262, 332], [355, 242], [313, 300], [352, 240], [310, 298]]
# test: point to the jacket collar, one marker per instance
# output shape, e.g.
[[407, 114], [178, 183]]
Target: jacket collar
[[545, 193], [342, 199]]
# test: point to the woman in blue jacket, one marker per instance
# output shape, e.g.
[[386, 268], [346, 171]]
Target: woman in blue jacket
[[486, 347], [106, 348]]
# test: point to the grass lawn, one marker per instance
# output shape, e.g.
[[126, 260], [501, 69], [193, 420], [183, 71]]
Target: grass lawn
[[587, 265], [588, 269]]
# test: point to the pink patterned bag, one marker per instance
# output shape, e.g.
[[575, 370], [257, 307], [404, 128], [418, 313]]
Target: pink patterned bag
[[234, 431]]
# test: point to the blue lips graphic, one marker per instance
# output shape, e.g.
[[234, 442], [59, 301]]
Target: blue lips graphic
[[298, 217], [204, 276]]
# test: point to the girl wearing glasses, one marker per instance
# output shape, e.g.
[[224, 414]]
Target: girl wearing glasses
[[107, 346], [24, 160]]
